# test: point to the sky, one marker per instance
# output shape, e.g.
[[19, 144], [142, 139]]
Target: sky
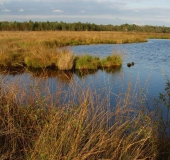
[[116, 12]]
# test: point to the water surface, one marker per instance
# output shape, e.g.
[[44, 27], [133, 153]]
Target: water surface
[[152, 63]]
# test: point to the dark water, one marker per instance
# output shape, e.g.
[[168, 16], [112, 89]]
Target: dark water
[[152, 63]]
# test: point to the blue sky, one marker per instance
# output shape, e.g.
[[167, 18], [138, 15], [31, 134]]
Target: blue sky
[[116, 12]]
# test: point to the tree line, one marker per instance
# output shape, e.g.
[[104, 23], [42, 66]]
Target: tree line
[[77, 26]]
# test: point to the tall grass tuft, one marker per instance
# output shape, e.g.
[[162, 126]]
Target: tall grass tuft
[[65, 60], [11, 57], [40, 58]]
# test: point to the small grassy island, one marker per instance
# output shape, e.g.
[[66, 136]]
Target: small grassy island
[[60, 59]]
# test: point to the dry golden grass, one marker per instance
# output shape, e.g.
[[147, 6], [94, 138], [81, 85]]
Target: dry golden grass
[[40, 57], [62, 38], [65, 60], [38, 49], [34, 127]]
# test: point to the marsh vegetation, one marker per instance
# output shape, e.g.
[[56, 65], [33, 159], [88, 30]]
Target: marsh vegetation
[[36, 124], [43, 49], [34, 127]]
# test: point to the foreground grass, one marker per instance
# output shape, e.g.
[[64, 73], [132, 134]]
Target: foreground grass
[[34, 127]]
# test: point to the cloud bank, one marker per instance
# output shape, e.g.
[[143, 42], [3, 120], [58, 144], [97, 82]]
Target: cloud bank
[[151, 12]]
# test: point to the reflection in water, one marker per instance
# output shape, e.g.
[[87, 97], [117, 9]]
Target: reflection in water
[[12, 71], [63, 76], [112, 70], [83, 73], [60, 85]]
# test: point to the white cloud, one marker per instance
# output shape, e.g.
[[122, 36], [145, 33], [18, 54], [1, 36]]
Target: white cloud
[[21, 10], [58, 10], [139, 23], [136, 10], [4, 1], [97, 11], [6, 10]]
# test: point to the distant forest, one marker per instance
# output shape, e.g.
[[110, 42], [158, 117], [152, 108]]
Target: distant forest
[[78, 26]]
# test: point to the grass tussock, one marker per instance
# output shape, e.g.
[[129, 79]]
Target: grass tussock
[[33, 127], [65, 60], [111, 61], [10, 57], [87, 62], [90, 62], [40, 58]]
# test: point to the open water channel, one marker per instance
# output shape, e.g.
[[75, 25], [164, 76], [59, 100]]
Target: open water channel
[[148, 75]]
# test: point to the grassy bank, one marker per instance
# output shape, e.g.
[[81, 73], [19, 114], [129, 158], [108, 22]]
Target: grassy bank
[[25, 40], [68, 38], [32, 126], [38, 49], [56, 59]]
